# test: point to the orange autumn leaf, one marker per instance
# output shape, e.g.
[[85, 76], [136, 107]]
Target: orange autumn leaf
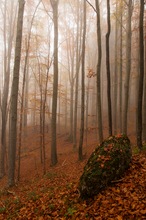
[[119, 217]]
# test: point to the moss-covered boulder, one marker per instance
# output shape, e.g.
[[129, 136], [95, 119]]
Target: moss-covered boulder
[[106, 164]]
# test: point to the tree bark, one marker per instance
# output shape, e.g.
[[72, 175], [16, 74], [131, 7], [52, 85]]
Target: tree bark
[[77, 79], [7, 63], [128, 66], [115, 74], [83, 88], [108, 69], [144, 101], [14, 97], [71, 59], [141, 76], [54, 4], [98, 72], [121, 68]]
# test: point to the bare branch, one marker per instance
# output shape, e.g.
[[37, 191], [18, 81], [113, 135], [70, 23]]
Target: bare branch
[[91, 6]]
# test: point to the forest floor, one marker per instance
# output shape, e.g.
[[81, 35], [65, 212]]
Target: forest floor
[[55, 195]]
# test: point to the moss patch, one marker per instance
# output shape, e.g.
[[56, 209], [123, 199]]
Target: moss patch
[[106, 164]]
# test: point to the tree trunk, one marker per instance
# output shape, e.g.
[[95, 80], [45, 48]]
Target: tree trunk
[[70, 58], [98, 72], [87, 109], [55, 85], [83, 88], [41, 113], [66, 112], [26, 98], [14, 97], [7, 63], [115, 74], [108, 69], [71, 110], [128, 66], [121, 68], [43, 121], [144, 101], [141, 76], [21, 114], [77, 81]]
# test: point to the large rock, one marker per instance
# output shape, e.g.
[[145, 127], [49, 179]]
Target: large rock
[[106, 164]]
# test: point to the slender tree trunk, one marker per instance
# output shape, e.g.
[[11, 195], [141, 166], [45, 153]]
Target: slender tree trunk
[[41, 114], [33, 111], [108, 69], [55, 85], [43, 118], [87, 108], [21, 117], [70, 57], [66, 102], [144, 101], [141, 76], [76, 109], [98, 72], [26, 99], [115, 74], [83, 89], [72, 82], [14, 97], [7, 63], [59, 106], [77, 82], [4, 103], [128, 66], [121, 68], [71, 110]]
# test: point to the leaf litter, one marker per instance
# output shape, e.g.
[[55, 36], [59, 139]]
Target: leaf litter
[[56, 195]]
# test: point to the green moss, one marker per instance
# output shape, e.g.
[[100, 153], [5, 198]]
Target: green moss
[[33, 196], [2, 210], [107, 163], [70, 211]]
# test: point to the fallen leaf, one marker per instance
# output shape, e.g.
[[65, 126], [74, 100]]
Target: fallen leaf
[[119, 217]]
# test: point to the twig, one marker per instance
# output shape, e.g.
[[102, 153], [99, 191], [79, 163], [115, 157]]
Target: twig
[[63, 163], [91, 6], [117, 181], [10, 192]]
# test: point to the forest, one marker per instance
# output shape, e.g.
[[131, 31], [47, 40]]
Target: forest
[[72, 74]]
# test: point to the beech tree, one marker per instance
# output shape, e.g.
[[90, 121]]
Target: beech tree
[[54, 4], [14, 97], [98, 72], [72, 77], [82, 87], [115, 72], [120, 65], [108, 69], [78, 61], [141, 76], [128, 64], [8, 41], [144, 101]]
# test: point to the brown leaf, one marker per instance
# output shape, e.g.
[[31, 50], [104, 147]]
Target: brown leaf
[[119, 217], [143, 211]]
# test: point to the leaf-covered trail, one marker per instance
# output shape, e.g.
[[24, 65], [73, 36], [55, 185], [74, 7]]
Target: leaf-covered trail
[[55, 195]]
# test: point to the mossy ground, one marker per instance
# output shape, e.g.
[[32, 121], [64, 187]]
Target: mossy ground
[[107, 163]]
